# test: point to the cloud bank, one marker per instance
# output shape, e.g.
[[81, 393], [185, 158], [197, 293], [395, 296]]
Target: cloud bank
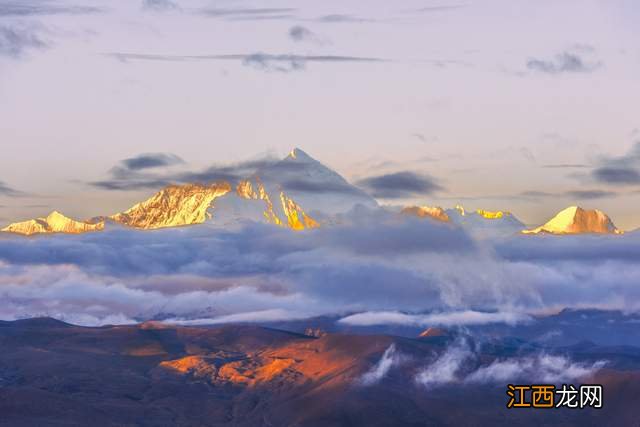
[[373, 268]]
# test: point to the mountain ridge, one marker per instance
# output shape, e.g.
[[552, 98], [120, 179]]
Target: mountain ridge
[[55, 222]]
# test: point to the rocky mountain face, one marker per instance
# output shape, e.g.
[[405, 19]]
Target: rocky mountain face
[[575, 220], [173, 206], [55, 222]]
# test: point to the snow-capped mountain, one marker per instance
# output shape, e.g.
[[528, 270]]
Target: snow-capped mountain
[[293, 192], [575, 220], [55, 222], [173, 206], [486, 222], [313, 185], [282, 193]]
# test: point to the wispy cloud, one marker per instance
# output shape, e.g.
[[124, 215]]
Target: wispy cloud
[[589, 194], [400, 185], [159, 5], [16, 40], [151, 160], [542, 368], [298, 33], [249, 14], [441, 8], [622, 170], [454, 318], [133, 173], [25, 8], [259, 60], [5, 190], [445, 369], [457, 365], [341, 19], [565, 166], [389, 359], [565, 62]]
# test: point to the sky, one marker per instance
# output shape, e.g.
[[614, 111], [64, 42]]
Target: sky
[[527, 106]]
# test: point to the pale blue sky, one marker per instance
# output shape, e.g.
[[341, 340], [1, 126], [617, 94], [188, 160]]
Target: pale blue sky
[[483, 96]]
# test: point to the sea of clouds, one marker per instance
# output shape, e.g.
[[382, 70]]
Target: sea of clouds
[[373, 268]]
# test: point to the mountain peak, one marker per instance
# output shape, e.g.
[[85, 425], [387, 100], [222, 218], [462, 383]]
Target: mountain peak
[[275, 193], [492, 214], [298, 154], [576, 220], [56, 215], [435, 212]]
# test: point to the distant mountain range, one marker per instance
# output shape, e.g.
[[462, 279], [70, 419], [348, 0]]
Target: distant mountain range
[[297, 192], [572, 220], [154, 374]]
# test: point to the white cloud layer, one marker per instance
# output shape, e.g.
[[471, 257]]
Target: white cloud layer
[[385, 269]]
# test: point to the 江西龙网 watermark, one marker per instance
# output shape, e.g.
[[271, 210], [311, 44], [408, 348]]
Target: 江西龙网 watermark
[[548, 396]]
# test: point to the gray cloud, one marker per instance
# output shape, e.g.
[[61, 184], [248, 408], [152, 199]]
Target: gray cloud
[[617, 175], [565, 166], [281, 63], [535, 194], [400, 185], [131, 174], [17, 40], [565, 62], [573, 194], [130, 184], [340, 18], [255, 14], [623, 170], [259, 61], [298, 33], [441, 8], [591, 194], [151, 160], [5, 190], [307, 186], [159, 5], [135, 174], [24, 8]]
